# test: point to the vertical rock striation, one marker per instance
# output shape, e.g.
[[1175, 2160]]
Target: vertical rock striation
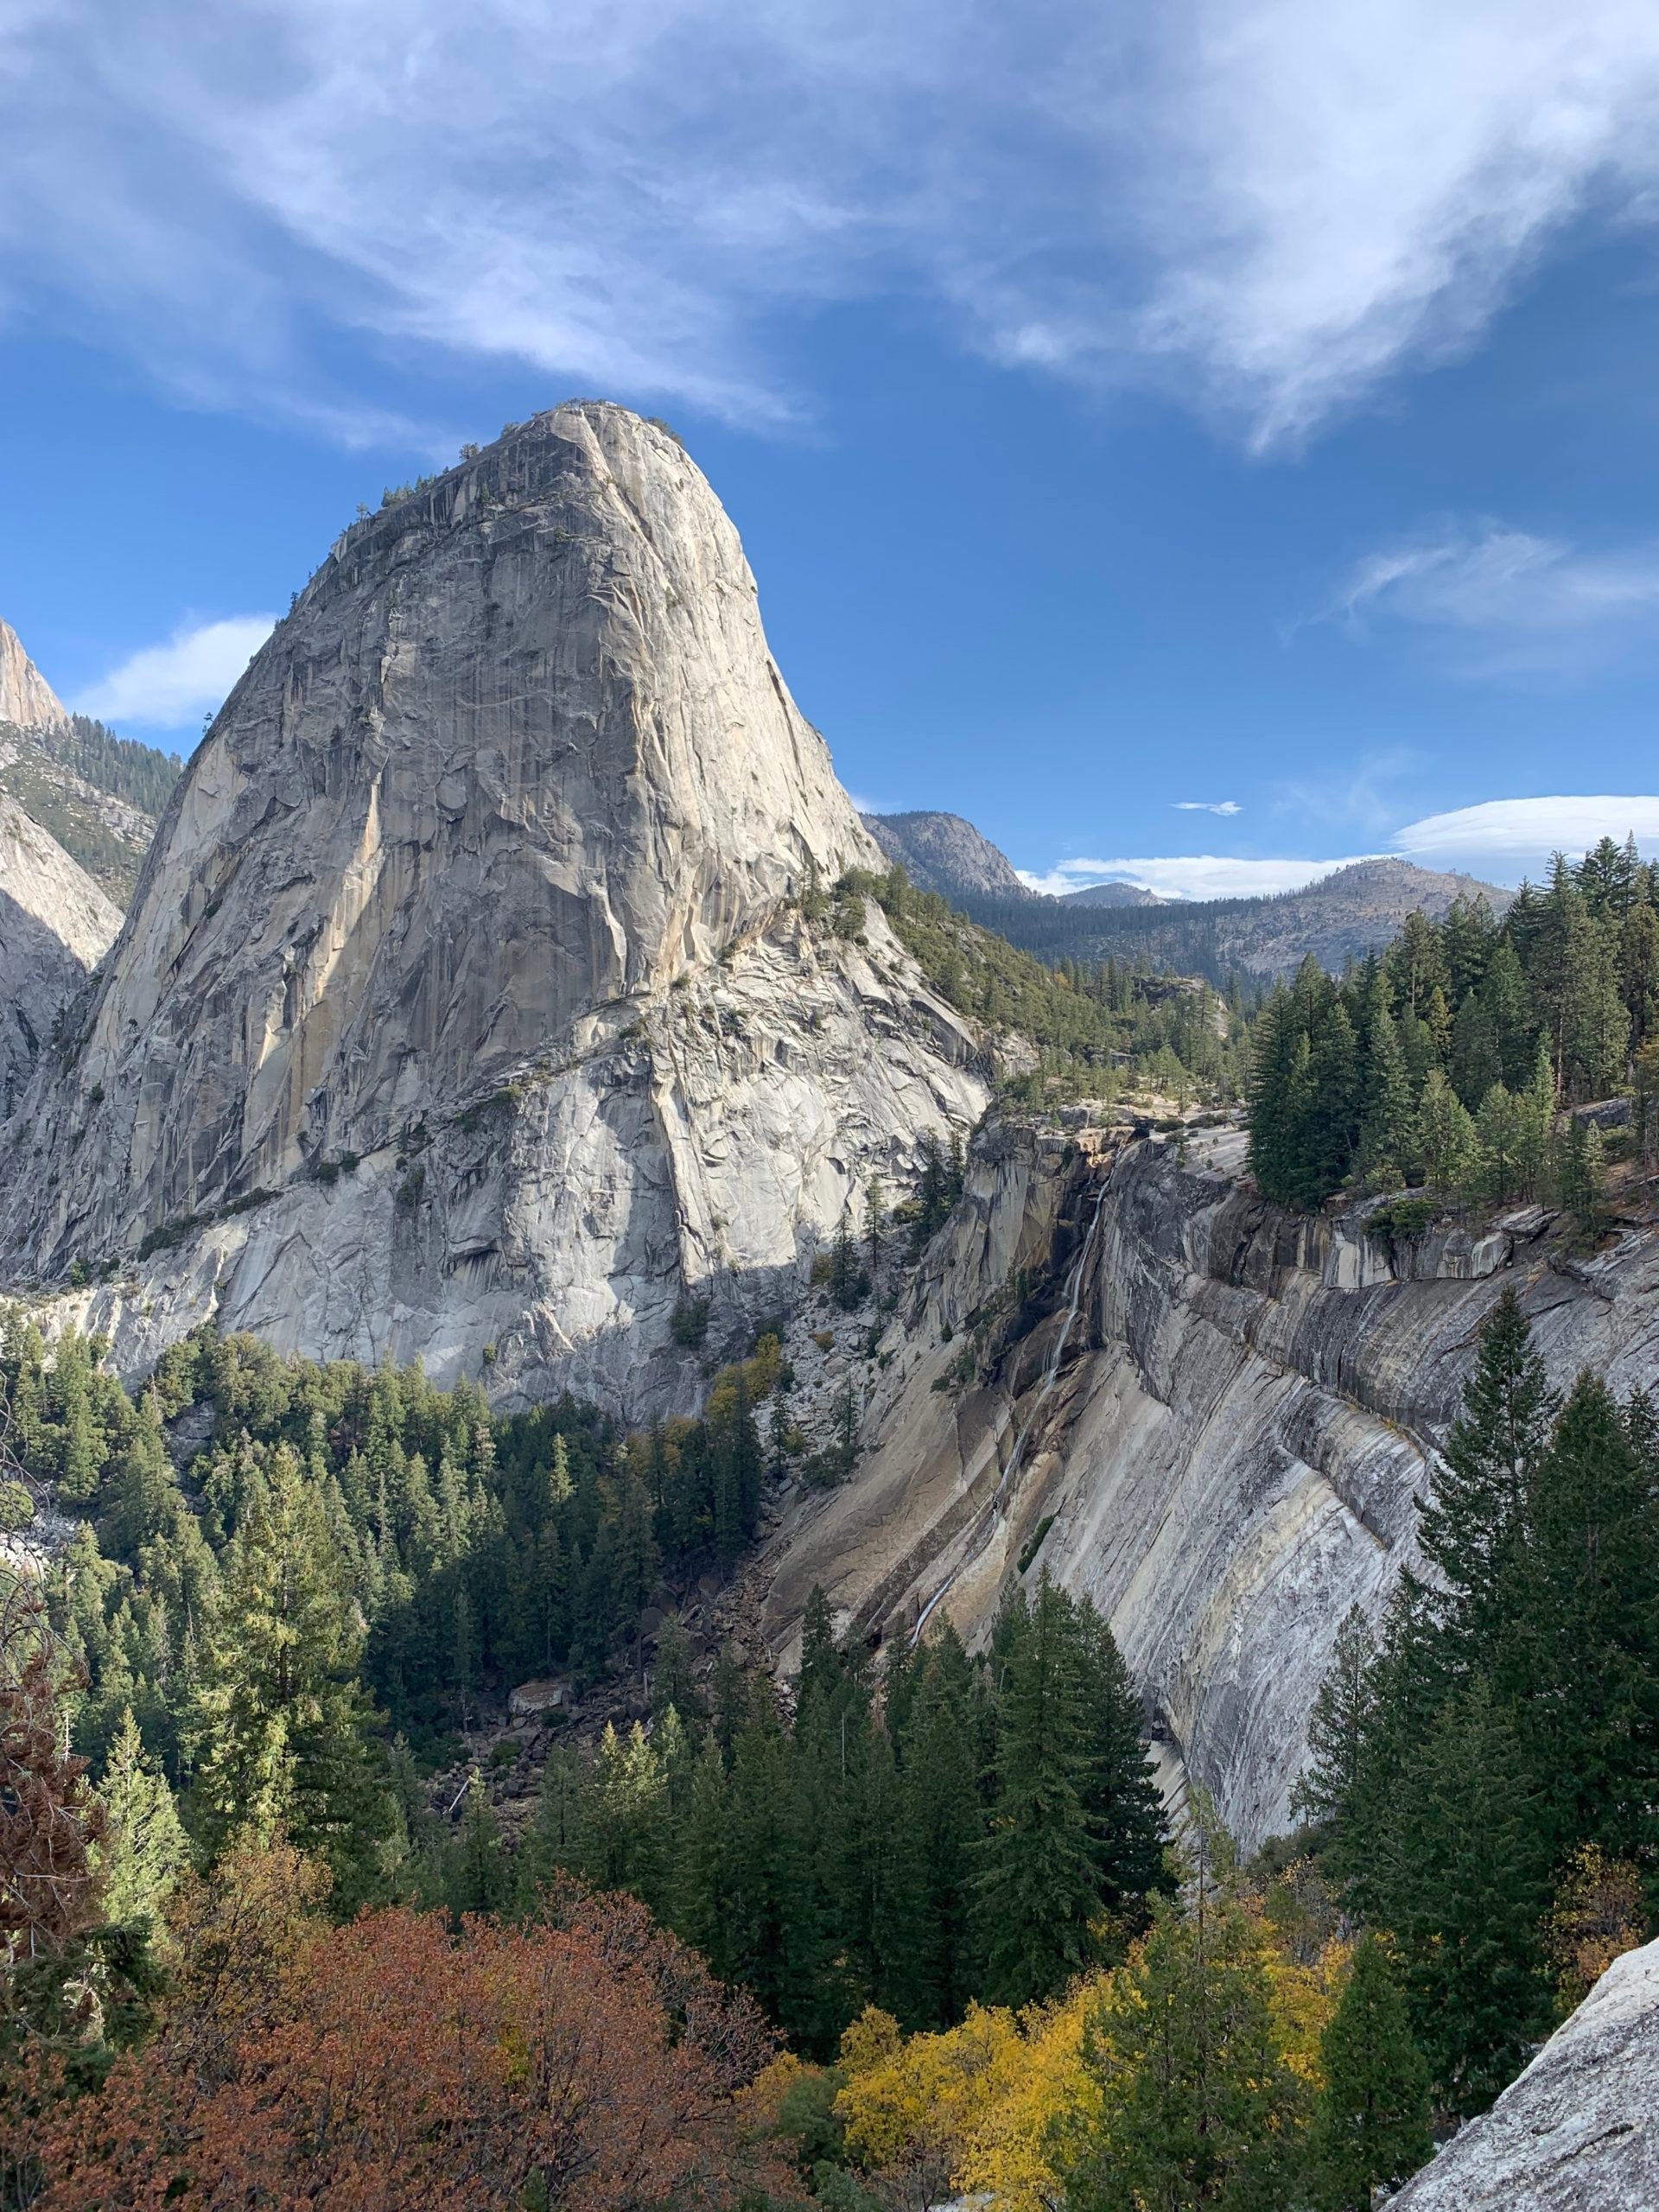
[[26, 700], [463, 1000], [55, 925], [1229, 1452]]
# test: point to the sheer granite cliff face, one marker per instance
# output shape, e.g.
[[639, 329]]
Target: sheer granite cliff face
[[1227, 1453], [463, 1003], [26, 698], [55, 925]]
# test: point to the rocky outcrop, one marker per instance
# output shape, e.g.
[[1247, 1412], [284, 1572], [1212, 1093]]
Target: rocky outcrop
[[942, 852], [1228, 1453], [467, 1006], [26, 698], [55, 925], [1578, 2131]]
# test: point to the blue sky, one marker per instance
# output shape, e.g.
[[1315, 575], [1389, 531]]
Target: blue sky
[[1199, 440]]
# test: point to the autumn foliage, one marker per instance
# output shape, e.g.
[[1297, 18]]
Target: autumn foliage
[[587, 2060]]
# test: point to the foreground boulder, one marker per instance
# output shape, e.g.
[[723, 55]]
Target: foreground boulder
[[1578, 2131]]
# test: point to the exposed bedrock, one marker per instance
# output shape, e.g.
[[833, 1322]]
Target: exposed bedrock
[[1230, 1453], [55, 925], [1578, 2131], [466, 1006]]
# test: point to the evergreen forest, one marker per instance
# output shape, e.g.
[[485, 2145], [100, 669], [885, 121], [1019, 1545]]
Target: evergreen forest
[[1443, 1065], [916, 1924]]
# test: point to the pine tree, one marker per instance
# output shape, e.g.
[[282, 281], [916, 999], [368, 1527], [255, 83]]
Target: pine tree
[[141, 1488], [1596, 1024], [1464, 1898], [1339, 1725], [1372, 2123], [701, 1910], [673, 1686], [1501, 1144], [1468, 941], [142, 1851], [1536, 1124], [1638, 974], [940, 1822], [1445, 1137], [1198, 2108], [1037, 1888], [773, 1937], [1579, 1175], [1509, 1003], [1122, 1799], [625, 1817], [1476, 1062], [875, 1214], [278, 1733], [1582, 1640], [1386, 1122], [476, 1872], [1472, 1524]]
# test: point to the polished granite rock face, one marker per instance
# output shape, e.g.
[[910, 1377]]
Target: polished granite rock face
[[1228, 1454], [55, 925], [1578, 2131], [464, 1002], [26, 700]]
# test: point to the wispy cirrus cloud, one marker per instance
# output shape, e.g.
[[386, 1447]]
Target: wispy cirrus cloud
[[1206, 806], [1268, 206], [1501, 600], [169, 685]]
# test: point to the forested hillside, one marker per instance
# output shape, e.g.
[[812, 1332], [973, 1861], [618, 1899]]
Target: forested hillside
[[65, 778], [1069, 1029], [1445, 1062], [916, 1924]]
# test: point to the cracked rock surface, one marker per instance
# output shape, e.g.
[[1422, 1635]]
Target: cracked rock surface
[[1230, 1453], [55, 925], [1578, 2131], [466, 1006]]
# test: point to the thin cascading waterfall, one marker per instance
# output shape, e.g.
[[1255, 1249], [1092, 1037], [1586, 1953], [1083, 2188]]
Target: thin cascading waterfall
[[993, 1513]]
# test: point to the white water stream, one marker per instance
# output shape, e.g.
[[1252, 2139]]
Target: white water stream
[[993, 1513]]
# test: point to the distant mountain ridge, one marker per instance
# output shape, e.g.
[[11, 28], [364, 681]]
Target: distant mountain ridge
[[1115, 895], [1341, 917], [942, 852], [97, 795]]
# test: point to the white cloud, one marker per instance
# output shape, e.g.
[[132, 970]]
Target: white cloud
[[1508, 601], [1206, 806], [1269, 205], [164, 687], [1513, 836], [1203, 875]]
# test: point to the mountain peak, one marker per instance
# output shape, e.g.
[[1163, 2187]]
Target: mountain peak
[[944, 852], [486, 883], [26, 700]]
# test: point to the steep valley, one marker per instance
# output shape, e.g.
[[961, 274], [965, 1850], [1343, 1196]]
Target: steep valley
[[1232, 1452], [481, 1002]]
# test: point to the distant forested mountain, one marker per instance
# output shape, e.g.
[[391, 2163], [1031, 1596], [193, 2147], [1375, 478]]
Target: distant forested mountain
[[1342, 918]]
